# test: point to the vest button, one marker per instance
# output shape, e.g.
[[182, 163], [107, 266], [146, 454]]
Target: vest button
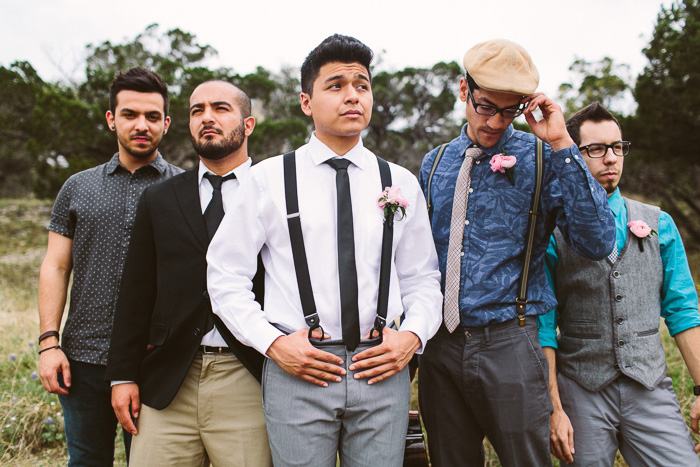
[[205, 295], [616, 274], [197, 332], [620, 320], [618, 298], [621, 343]]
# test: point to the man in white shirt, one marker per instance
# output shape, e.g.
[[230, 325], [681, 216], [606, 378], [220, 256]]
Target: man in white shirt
[[191, 388], [334, 393]]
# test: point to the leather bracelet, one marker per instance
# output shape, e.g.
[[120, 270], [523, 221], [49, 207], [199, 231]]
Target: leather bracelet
[[49, 348], [48, 334]]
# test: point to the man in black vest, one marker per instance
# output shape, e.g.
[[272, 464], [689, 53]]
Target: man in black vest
[[192, 389], [612, 391]]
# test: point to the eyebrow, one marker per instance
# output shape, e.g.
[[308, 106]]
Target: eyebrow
[[128, 110], [492, 104], [199, 105], [340, 77]]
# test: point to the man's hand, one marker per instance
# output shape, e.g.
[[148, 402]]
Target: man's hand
[[388, 358], [552, 128], [561, 437], [295, 354], [694, 417], [53, 365], [126, 404]]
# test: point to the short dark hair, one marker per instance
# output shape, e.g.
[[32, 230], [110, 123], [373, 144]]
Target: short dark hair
[[335, 48], [471, 83], [138, 79], [592, 113], [242, 99]]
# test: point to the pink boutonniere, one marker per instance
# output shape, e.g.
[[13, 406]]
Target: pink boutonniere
[[391, 200], [641, 230], [504, 163]]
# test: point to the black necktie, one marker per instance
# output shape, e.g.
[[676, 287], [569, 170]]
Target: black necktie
[[347, 272], [215, 211], [213, 215]]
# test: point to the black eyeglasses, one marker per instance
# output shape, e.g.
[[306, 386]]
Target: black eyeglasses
[[597, 150], [489, 110]]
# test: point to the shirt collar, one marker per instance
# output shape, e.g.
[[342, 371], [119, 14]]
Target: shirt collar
[[496, 148], [320, 153], [616, 203], [158, 163], [241, 171]]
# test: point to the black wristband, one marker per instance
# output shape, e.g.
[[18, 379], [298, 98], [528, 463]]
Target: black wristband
[[696, 390], [48, 334], [49, 348]]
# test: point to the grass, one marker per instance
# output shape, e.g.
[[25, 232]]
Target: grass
[[31, 421]]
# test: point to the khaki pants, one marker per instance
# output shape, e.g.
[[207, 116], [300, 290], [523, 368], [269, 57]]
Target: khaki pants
[[215, 417]]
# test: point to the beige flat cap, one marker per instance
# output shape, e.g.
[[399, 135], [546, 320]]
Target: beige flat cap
[[502, 66]]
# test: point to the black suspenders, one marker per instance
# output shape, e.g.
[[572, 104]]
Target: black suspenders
[[301, 265]]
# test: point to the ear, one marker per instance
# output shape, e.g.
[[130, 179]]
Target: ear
[[306, 104], [110, 120], [463, 92], [249, 123], [166, 125]]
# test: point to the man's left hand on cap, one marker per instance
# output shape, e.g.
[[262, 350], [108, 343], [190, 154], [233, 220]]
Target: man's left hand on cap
[[552, 127]]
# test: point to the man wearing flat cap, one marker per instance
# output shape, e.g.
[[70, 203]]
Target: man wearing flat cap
[[484, 372]]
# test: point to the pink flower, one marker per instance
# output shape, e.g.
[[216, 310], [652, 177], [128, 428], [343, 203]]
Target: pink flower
[[501, 162], [391, 200], [640, 229]]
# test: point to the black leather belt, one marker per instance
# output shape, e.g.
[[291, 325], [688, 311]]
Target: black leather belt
[[213, 349]]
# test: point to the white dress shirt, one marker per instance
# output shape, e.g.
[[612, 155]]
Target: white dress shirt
[[257, 221], [228, 191]]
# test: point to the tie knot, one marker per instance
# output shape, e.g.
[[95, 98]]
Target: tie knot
[[338, 164], [473, 152], [216, 181]]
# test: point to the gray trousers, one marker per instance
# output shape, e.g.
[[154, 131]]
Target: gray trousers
[[489, 382], [309, 425], [646, 426]]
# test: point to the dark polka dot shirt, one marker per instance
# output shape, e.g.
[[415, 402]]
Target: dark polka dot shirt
[[96, 209]]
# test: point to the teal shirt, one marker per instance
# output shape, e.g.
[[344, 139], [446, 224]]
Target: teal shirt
[[679, 298]]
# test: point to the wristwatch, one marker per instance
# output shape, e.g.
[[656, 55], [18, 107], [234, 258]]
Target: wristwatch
[[696, 390]]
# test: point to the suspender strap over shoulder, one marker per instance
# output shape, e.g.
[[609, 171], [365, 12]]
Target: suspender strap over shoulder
[[429, 198], [301, 265], [385, 265], [521, 300]]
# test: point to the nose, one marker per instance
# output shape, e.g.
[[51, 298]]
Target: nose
[[609, 158], [497, 121], [351, 95], [141, 123], [207, 115]]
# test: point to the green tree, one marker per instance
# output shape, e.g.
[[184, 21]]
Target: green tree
[[603, 81]]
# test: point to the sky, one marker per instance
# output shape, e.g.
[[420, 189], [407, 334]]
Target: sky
[[52, 35]]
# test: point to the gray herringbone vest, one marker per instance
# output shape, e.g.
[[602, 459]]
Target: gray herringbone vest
[[609, 313]]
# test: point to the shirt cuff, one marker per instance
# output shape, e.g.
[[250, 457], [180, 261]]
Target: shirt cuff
[[114, 383]]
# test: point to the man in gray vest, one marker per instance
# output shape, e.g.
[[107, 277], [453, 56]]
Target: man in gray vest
[[612, 391]]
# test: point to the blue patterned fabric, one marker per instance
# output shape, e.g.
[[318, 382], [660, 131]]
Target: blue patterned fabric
[[497, 215], [679, 304]]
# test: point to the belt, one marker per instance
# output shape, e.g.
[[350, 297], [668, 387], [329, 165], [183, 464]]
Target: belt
[[212, 349]]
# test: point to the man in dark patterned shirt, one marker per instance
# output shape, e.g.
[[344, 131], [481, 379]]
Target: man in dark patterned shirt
[[89, 234], [484, 372]]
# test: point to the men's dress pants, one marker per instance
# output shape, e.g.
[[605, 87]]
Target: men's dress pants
[[646, 426], [489, 382], [216, 417], [88, 417], [309, 425]]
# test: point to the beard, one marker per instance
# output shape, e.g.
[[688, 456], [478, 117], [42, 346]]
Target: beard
[[139, 152], [218, 150]]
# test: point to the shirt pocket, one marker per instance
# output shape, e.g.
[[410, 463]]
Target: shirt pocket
[[503, 212]]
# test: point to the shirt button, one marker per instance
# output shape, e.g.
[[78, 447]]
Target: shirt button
[[620, 320], [575, 156], [618, 298], [466, 222], [621, 343], [567, 160], [478, 162], [471, 190], [461, 254], [616, 366], [616, 274]]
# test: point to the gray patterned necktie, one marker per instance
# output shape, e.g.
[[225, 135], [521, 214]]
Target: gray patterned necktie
[[454, 249], [613, 254]]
